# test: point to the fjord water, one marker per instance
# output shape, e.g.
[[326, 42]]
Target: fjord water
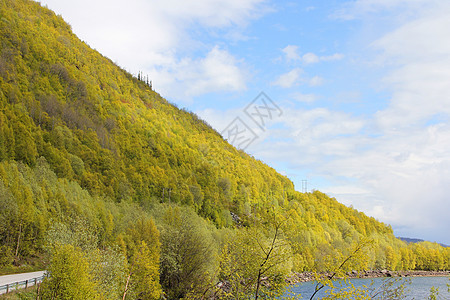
[[418, 288]]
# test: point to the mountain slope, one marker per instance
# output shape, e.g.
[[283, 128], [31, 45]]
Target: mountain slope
[[98, 125], [81, 138]]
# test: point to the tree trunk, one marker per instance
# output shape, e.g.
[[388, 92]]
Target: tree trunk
[[258, 283], [16, 257], [38, 290], [126, 287]]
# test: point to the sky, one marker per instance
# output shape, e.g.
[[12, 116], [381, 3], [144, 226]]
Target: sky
[[352, 96]]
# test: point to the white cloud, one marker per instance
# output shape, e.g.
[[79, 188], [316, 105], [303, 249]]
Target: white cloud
[[398, 178], [419, 39], [336, 56], [310, 58], [361, 9], [291, 53], [421, 59], [289, 79], [316, 81], [414, 154], [153, 37], [212, 13], [398, 156], [306, 98], [394, 165], [309, 131], [407, 173], [218, 71], [294, 78], [219, 120]]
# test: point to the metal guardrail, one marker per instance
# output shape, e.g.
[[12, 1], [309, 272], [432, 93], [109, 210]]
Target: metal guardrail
[[5, 289]]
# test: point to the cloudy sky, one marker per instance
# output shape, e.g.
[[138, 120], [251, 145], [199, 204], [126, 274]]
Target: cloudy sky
[[362, 88]]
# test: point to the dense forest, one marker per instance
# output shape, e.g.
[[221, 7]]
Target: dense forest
[[120, 194]]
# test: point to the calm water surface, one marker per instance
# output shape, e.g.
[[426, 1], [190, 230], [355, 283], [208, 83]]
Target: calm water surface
[[419, 288]]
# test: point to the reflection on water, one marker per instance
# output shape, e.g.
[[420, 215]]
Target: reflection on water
[[419, 287]]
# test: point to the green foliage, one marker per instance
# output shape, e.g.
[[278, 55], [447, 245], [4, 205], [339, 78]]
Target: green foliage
[[145, 273], [8, 213], [434, 293], [109, 271], [189, 252], [337, 283], [255, 265], [106, 268], [142, 244], [78, 233], [337, 266], [70, 276], [430, 256]]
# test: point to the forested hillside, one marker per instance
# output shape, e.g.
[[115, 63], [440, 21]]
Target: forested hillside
[[97, 168]]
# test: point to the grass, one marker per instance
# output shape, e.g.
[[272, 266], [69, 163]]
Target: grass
[[22, 294], [33, 264]]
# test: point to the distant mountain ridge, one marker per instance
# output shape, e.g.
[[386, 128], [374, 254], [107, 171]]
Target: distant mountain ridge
[[414, 241]]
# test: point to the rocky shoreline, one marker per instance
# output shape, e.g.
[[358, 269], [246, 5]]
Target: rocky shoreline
[[309, 276]]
